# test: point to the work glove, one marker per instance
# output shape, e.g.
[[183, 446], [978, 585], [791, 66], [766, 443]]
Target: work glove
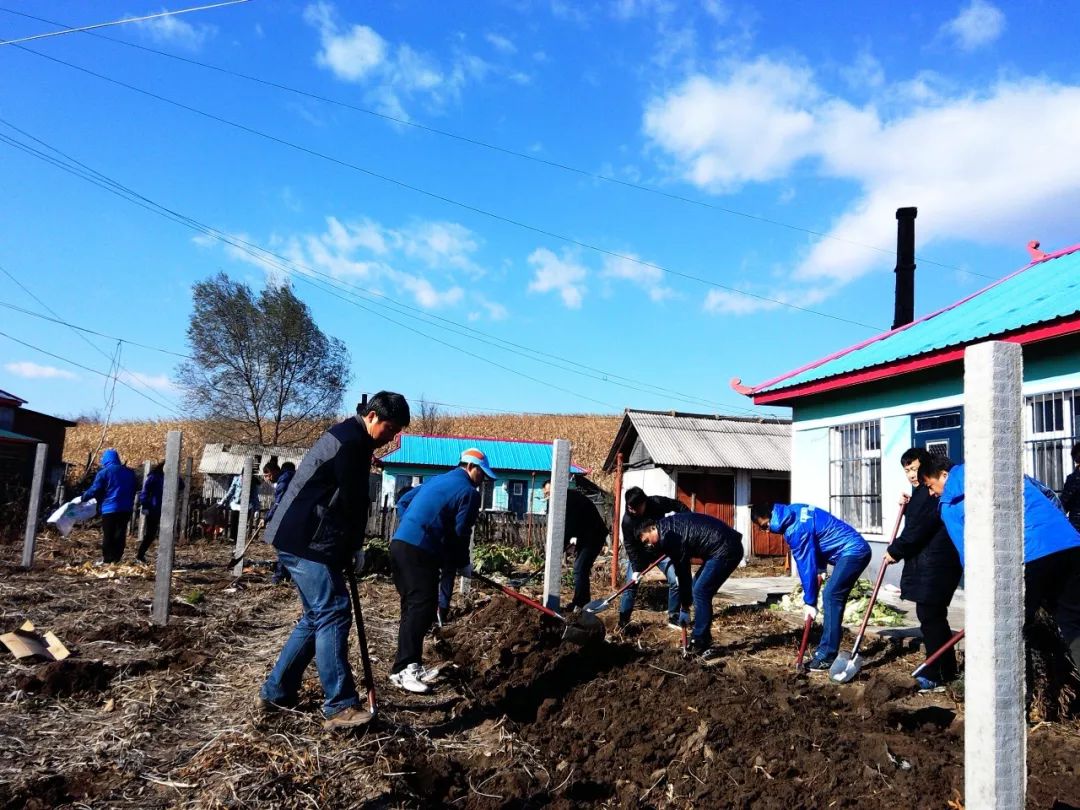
[[635, 577], [810, 612], [684, 618], [465, 570], [77, 499], [358, 561]]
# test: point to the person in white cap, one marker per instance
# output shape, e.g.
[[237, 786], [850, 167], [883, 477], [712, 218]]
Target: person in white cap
[[435, 528]]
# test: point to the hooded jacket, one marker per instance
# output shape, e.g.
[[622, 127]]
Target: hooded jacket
[[440, 516], [152, 488], [113, 486], [305, 523], [1046, 529], [281, 486], [817, 539], [684, 536], [656, 506], [236, 491]]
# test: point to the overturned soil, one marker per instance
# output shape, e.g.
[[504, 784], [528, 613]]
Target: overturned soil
[[145, 716]]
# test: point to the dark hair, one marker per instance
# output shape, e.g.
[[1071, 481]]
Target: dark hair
[[644, 526], [271, 467], [635, 496], [388, 407], [761, 510], [288, 465], [1076, 453], [916, 453], [936, 466]]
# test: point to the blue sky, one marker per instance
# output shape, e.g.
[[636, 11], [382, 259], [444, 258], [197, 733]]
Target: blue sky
[[826, 117]]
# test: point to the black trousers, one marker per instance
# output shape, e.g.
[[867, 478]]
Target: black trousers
[[934, 621], [153, 526], [583, 563], [113, 535], [1053, 582], [416, 577]]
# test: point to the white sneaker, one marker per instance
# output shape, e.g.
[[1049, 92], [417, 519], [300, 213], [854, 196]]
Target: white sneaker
[[429, 675], [409, 679]]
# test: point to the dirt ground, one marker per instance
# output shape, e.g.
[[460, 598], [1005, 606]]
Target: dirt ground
[[152, 717]]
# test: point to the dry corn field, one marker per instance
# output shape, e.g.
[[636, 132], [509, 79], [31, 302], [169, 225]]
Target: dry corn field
[[591, 436]]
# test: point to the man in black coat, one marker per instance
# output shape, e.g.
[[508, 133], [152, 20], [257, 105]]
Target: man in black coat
[[584, 523], [318, 529], [639, 508], [1070, 494], [932, 569], [682, 538]]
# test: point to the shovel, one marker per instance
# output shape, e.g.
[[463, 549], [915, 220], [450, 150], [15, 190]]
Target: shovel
[[361, 635], [948, 645], [585, 629], [597, 605], [799, 666], [254, 536]]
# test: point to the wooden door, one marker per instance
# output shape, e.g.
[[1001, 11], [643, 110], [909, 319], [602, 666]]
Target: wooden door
[[772, 490], [709, 494]]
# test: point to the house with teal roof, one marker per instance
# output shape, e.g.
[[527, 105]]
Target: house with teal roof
[[855, 411], [522, 468]]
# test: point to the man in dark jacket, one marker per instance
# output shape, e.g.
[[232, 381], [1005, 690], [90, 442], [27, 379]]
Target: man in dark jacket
[[641, 507], [1070, 494], [280, 477], [318, 529], [114, 489], [150, 502], [435, 530], [682, 538], [587, 529], [931, 569]]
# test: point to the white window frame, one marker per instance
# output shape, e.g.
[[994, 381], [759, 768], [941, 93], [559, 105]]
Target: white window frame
[[1048, 453], [855, 474]]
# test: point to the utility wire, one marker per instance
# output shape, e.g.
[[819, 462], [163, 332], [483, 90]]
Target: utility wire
[[555, 164], [124, 21], [442, 197], [278, 261]]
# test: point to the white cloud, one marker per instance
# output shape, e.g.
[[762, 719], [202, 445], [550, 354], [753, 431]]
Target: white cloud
[[562, 274], [492, 309], [158, 382], [978, 24], [34, 371], [865, 72], [393, 74], [500, 43], [176, 31], [643, 275], [441, 244], [973, 162], [425, 293]]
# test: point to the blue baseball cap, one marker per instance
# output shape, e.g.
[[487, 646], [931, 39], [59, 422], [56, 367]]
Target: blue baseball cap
[[474, 456]]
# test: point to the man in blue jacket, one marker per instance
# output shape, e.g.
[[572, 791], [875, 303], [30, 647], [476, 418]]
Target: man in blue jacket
[[435, 528], [114, 489], [1051, 548], [150, 502], [405, 497], [817, 539], [280, 477], [683, 537], [318, 529]]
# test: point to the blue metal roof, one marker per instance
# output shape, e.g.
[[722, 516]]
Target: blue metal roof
[[445, 451], [1043, 291]]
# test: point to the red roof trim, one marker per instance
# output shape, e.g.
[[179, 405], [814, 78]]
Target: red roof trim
[[883, 335], [1031, 334]]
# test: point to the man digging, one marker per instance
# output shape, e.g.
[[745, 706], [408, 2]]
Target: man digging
[[318, 530], [682, 538], [639, 508]]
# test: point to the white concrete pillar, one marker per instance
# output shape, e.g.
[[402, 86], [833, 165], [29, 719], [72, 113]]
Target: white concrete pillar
[[33, 509], [242, 529], [742, 511], [170, 507], [995, 733], [556, 522]]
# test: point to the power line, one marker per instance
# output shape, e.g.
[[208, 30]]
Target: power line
[[291, 267], [555, 164], [442, 197], [124, 21]]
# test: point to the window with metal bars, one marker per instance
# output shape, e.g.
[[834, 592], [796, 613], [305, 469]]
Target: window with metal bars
[[855, 474], [1052, 422]]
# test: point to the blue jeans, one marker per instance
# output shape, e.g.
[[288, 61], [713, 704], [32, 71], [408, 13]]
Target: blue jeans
[[707, 581], [845, 573], [322, 633], [626, 601], [446, 587]]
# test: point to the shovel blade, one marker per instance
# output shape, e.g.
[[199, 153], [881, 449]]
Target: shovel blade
[[845, 668], [597, 605], [584, 629]]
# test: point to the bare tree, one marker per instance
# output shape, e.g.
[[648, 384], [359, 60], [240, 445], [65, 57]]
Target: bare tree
[[260, 365], [431, 419]]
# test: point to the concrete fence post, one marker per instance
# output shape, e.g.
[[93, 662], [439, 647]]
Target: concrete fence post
[[556, 522], [33, 509], [182, 530], [159, 612], [245, 499], [995, 734]]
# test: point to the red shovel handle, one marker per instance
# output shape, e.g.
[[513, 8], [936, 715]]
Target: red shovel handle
[[877, 583], [805, 640], [519, 596], [644, 571], [948, 645]]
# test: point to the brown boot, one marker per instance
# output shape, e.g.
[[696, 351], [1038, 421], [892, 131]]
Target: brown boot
[[352, 717]]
